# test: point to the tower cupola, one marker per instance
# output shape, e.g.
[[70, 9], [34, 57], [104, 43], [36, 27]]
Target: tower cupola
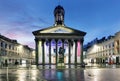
[[59, 15]]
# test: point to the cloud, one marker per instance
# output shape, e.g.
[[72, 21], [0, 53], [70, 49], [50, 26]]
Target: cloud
[[22, 37], [17, 22], [18, 18]]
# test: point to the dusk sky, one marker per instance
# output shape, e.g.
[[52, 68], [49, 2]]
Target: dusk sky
[[19, 18]]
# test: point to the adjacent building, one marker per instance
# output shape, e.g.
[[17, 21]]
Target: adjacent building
[[105, 50], [11, 51]]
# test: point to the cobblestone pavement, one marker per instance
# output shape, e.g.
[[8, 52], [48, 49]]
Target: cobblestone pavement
[[72, 74]]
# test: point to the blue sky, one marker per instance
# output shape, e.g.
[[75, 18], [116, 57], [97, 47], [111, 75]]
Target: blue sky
[[18, 18]]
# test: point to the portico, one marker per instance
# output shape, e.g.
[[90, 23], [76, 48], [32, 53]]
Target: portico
[[59, 41]]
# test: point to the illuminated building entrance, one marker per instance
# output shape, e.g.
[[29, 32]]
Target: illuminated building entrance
[[59, 43]]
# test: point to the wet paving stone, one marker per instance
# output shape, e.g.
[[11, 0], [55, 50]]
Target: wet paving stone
[[73, 74]]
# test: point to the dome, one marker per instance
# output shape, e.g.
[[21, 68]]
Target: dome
[[59, 9]]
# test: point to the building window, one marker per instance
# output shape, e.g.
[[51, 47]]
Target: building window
[[5, 45], [1, 44], [112, 44], [12, 47], [109, 45], [118, 49], [109, 53], [9, 46], [106, 46], [118, 42], [113, 53]]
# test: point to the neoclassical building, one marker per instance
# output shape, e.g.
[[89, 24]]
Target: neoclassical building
[[105, 50], [117, 46], [11, 51], [58, 41]]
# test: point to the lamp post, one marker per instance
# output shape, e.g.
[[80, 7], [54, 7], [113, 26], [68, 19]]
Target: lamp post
[[29, 64], [7, 72]]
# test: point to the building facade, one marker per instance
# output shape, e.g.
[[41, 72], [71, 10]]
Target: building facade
[[117, 46], [59, 41], [11, 51], [105, 50]]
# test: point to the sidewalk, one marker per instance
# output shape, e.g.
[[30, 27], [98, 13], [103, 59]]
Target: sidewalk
[[102, 66], [19, 67]]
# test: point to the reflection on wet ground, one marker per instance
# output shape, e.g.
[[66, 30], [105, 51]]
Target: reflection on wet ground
[[104, 74], [43, 75], [63, 75], [79, 66], [66, 74], [24, 74]]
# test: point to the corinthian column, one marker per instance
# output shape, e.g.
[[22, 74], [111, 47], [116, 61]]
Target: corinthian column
[[75, 52], [43, 53], [36, 55], [56, 51], [50, 53], [69, 54], [81, 50]]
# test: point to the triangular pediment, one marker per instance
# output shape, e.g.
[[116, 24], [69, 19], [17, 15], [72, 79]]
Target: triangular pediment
[[57, 30]]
